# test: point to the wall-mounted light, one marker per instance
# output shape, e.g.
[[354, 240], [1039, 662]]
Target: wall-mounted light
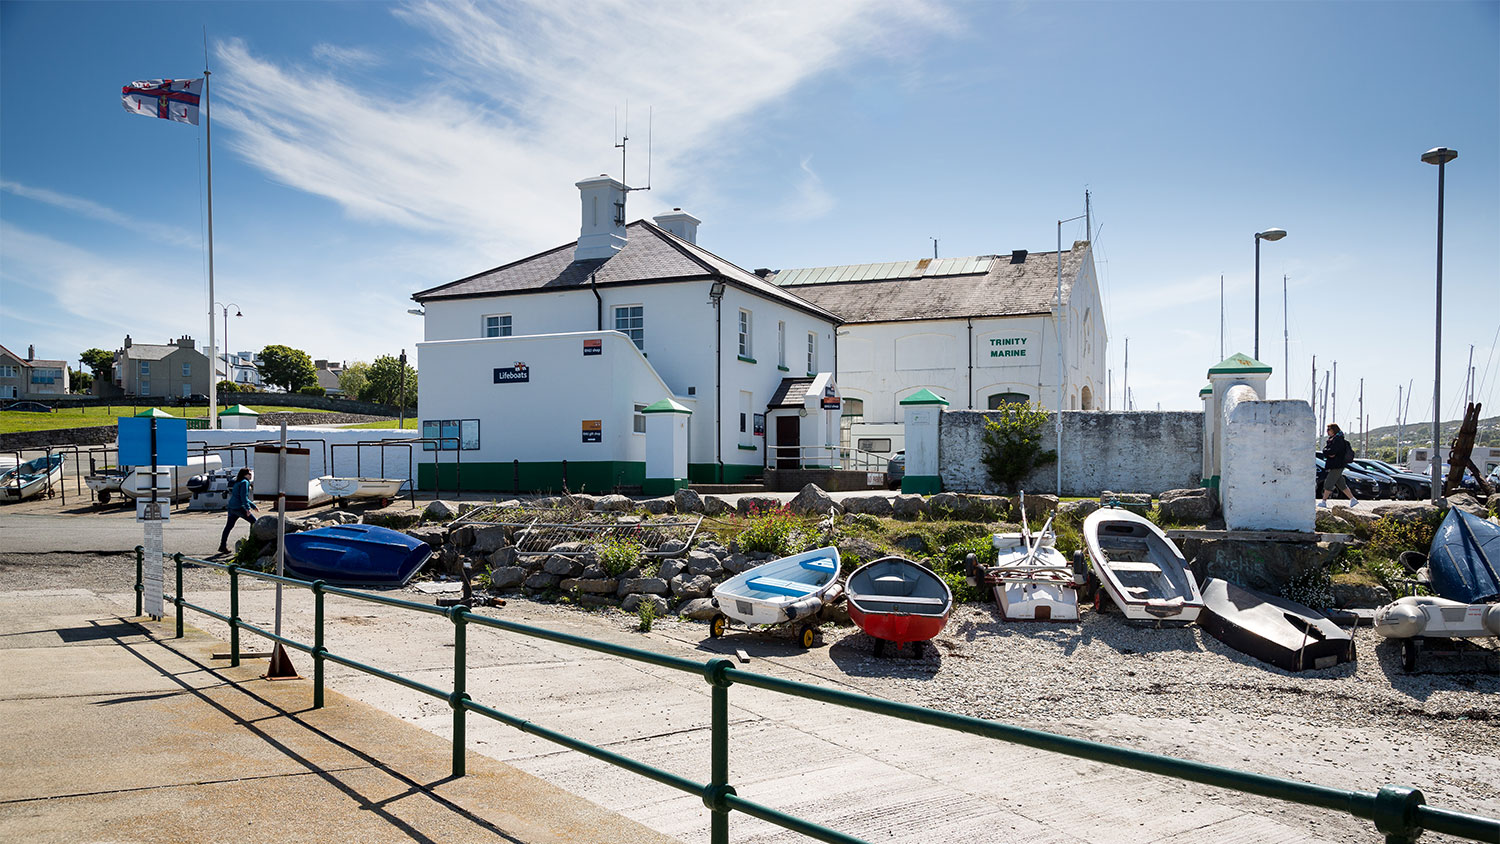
[[416, 312], [715, 292]]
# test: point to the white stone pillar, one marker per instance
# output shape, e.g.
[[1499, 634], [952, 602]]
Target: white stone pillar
[[666, 448], [1210, 427], [1267, 480], [1237, 369], [924, 413]]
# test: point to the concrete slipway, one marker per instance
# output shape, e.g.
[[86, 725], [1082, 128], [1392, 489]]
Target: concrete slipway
[[868, 776]]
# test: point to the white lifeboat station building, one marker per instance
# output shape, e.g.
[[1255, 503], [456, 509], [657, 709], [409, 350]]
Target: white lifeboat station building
[[635, 358]]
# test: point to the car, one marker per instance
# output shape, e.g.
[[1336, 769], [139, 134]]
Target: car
[[194, 400], [28, 407], [895, 470], [1362, 484], [1409, 485]]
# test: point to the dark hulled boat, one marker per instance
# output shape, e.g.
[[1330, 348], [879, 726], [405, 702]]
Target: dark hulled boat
[[355, 555]]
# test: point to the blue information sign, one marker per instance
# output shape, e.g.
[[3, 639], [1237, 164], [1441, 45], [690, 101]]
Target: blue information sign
[[135, 441]]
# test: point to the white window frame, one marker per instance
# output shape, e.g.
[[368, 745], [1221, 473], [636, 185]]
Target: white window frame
[[781, 344], [637, 334], [747, 327], [747, 417], [638, 419], [14, 393], [505, 328], [145, 368], [7, 371], [187, 369], [812, 353]]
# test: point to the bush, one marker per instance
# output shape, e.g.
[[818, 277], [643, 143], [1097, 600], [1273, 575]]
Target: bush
[[949, 565], [773, 530], [617, 556], [224, 387], [1013, 444], [1391, 536], [312, 391], [646, 614]]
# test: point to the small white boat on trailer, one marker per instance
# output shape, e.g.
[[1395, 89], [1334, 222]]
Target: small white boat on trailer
[[31, 478], [1032, 580], [791, 590], [1419, 620], [1139, 568], [382, 488]]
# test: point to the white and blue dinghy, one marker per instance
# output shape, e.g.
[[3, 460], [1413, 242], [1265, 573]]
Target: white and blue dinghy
[[791, 590]]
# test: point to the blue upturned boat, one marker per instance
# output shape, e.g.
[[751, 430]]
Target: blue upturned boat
[[1462, 559], [355, 555]]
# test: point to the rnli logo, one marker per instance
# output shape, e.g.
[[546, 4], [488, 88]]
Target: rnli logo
[[519, 373]]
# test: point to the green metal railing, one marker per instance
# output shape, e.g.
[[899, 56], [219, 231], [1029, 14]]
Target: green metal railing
[[1400, 814]]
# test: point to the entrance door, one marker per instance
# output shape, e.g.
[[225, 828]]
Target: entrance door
[[788, 437]]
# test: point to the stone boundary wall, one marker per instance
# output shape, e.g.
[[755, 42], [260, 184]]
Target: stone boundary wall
[[337, 405], [27, 440], [1124, 451]]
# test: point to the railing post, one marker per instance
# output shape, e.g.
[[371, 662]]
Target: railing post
[[460, 670], [1395, 814], [318, 649], [234, 615], [140, 586], [177, 599], [718, 779]]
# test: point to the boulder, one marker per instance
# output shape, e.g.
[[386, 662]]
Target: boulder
[[870, 505], [340, 517], [462, 537], [1353, 515], [914, 543], [1467, 503], [1403, 511], [658, 506], [702, 562], [1136, 502], [639, 585], [1041, 505], [698, 609], [592, 570], [632, 603], [713, 505], [614, 504], [507, 577], [751, 505], [434, 536], [837, 613], [541, 581], [813, 501], [713, 548], [909, 507], [1359, 595], [447, 561], [673, 566], [562, 566], [969, 508], [506, 556], [688, 586], [1079, 510], [738, 563], [1267, 566], [589, 585], [672, 547], [688, 501], [598, 601], [264, 529], [488, 539], [853, 549], [446, 511], [1193, 509], [398, 517], [580, 500]]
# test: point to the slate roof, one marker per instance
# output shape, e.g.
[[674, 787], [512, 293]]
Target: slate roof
[[790, 392], [651, 255], [149, 351], [1009, 288], [34, 363]]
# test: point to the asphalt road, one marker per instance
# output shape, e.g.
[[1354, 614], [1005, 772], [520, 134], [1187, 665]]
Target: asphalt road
[[110, 531]]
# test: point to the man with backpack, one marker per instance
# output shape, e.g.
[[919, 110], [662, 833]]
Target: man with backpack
[[1337, 454]]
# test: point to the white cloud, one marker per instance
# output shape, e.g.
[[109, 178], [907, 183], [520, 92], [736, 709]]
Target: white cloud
[[89, 208], [345, 56], [812, 200]]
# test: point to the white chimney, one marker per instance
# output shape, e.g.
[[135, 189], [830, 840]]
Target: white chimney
[[680, 223], [603, 230]]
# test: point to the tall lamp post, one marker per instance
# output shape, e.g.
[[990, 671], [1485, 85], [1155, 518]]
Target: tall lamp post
[[1439, 156], [1272, 235], [1062, 378], [228, 372]]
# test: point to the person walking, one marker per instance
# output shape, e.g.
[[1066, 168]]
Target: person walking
[[1337, 454], [239, 507]]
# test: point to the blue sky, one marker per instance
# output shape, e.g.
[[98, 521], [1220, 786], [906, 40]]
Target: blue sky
[[363, 151]]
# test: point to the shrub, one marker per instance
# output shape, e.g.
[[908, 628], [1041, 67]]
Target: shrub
[[617, 556], [646, 613], [1391, 536], [312, 391], [1013, 444], [227, 387], [949, 565], [772, 530]]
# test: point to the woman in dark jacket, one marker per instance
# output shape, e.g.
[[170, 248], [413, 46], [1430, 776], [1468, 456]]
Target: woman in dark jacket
[[239, 507], [1337, 454]]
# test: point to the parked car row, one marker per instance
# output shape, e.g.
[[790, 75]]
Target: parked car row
[[1376, 479]]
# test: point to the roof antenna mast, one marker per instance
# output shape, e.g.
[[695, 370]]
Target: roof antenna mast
[[621, 146]]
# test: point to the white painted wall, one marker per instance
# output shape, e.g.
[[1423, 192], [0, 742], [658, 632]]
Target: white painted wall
[[342, 462], [1264, 482]]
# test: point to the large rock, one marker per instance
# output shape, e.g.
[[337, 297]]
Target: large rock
[[562, 566], [909, 507], [1079, 510], [1403, 511], [870, 505], [1187, 505], [813, 501], [673, 566], [462, 537], [589, 585], [640, 585], [688, 501], [1041, 505], [739, 563], [632, 603], [1468, 503], [1359, 595], [1353, 515], [855, 550], [969, 508], [698, 609], [507, 577], [689, 586], [506, 556], [541, 581], [713, 505], [914, 543], [702, 562], [398, 517], [614, 504], [447, 511], [1267, 566], [434, 536], [489, 539], [751, 505], [658, 506], [264, 529]]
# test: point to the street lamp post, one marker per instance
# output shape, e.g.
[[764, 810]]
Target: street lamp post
[[228, 372], [1062, 378], [1439, 156], [1272, 235]]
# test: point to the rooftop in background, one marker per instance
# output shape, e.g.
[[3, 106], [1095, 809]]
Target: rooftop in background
[[939, 288]]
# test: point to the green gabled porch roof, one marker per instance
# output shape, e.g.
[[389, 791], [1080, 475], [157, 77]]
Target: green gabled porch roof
[[238, 410], [665, 406], [924, 396], [1208, 390], [154, 413], [1239, 364]]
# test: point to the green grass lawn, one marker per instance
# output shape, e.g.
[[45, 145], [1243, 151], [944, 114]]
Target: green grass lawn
[[13, 421], [411, 424]]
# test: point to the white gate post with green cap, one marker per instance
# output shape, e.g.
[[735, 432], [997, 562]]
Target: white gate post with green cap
[[666, 448], [1210, 433], [1232, 371], [924, 413]]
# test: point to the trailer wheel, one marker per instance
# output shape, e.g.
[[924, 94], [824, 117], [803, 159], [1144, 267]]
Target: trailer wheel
[[103, 497], [1409, 655], [717, 626], [809, 635], [916, 650], [879, 647]]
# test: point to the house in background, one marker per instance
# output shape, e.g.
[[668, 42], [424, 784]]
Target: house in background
[[157, 371], [328, 372], [241, 368], [978, 331], [548, 368], [30, 377]]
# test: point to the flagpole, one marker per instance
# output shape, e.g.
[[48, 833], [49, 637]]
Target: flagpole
[[213, 351]]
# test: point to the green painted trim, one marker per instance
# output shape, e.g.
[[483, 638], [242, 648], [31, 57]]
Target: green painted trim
[[734, 473], [238, 410], [1239, 364], [812, 375], [1211, 483], [782, 368], [662, 486], [535, 476], [665, 406], [921, 484], [745, 359], [1208, 390], [743, 447], [924, 396], [154, 413]]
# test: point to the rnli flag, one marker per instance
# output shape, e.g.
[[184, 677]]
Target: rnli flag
[[169, 99]]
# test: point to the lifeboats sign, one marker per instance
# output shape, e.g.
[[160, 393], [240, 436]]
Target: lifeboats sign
[[830, 400], [520, 373]]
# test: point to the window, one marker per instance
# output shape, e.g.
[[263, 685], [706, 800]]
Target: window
[[497, 325], [745, 346], [881, 445], [781, 344], [8, 393], [998, 399], [187, 370], [7, 372], [50, 375], [812, 353], [145, 369], [465, 430], [747, 437], [145, 387], [630, 320], [639, 419]]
